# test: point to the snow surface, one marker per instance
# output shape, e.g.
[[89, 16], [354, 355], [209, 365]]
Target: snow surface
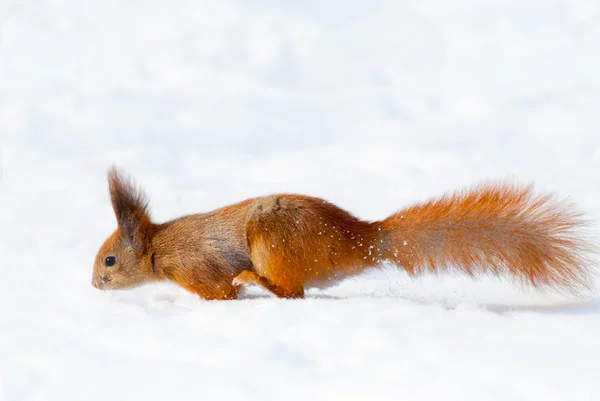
[[371, 105]]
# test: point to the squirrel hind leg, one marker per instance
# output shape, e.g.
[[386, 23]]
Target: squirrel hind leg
[[248, 277], [276, 266]]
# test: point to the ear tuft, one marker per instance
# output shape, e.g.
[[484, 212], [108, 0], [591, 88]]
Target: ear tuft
[[130, 204]]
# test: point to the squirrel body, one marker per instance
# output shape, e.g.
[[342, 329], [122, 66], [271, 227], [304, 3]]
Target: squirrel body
[[285, 243]]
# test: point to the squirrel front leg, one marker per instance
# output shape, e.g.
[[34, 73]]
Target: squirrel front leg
[[207, 287], [221, 292]]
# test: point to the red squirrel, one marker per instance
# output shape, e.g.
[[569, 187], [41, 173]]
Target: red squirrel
[[285, 243]]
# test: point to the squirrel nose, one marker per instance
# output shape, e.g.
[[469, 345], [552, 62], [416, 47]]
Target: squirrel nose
[[100, 282]]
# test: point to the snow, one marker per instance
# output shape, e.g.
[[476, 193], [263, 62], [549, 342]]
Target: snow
[[372, 105]]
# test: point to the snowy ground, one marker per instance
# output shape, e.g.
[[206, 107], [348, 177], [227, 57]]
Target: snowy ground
[[372, 105]]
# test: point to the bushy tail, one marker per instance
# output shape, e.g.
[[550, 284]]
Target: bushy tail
[[496, 228]]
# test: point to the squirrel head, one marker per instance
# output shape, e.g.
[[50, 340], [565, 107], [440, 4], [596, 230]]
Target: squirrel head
[[125, 259]]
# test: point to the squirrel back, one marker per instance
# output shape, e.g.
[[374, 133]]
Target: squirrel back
[[287, 242]]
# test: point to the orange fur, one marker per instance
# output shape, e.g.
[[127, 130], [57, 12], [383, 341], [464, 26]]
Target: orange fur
[[285, 243], [498, 229]]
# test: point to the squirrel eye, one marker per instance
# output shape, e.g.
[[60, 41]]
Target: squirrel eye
[[110, 261]]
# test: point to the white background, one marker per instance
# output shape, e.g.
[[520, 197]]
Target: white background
[[372, 105]]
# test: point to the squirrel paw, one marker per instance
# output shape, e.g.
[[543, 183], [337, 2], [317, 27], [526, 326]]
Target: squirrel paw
[[246, 277]]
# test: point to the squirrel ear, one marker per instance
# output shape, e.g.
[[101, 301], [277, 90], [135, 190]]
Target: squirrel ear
[[130, 205], [132, 230]]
